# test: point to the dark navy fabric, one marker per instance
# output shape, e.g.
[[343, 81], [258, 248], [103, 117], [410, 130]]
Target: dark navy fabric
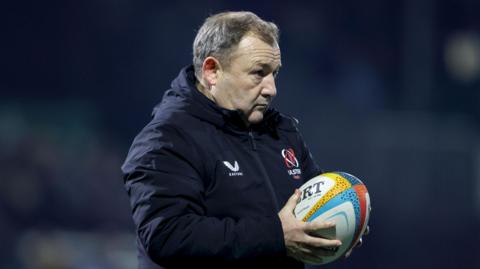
[[205, 189]]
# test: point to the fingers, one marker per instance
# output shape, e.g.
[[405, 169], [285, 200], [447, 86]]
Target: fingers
[[318, 225], [309, 258], [359, 243], [292, 201], [310, 255], [314, 234], [322, 242], [324, 252], [367, 230], [348, 253], [317, 251]]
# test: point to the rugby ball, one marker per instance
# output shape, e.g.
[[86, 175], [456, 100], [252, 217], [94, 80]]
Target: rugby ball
[[338, 197]]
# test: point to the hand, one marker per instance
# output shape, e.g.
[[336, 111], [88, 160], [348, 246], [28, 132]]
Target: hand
[[299, 242], [359, 243]]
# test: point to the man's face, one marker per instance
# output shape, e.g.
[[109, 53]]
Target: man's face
[[248, 83]]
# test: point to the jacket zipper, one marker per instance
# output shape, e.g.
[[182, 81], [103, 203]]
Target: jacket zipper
[[263, 171], [252, 140]]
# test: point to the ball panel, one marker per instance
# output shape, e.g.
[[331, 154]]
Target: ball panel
[[364, 201], [351, 178], [344, 196], [340, 185], [311, 192], [344, 216], [351, 196]]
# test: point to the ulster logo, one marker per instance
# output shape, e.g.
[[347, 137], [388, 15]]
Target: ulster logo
[[289, 158], [235, 169], [291, 162]]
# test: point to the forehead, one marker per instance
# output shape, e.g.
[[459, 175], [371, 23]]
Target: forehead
[[252, 50]]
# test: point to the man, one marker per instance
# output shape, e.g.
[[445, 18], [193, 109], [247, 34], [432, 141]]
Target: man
[[212, 178]]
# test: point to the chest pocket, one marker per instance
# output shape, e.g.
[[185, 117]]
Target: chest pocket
[[234, 175], [284, 170], [237, 188]]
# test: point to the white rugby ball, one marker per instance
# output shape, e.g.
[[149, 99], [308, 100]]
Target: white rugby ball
[[338, 197]]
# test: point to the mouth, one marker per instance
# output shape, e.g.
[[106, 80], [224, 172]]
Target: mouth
[[263, 106]]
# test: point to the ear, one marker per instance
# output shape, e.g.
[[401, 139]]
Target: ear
[[211, 69]]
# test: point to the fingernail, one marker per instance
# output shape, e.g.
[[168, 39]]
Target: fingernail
[[339, 243], [330, 223]]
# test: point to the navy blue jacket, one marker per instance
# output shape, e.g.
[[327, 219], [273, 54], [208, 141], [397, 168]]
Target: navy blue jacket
[[205, 190]]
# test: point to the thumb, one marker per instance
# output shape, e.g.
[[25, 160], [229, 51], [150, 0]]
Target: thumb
[[292, 201]]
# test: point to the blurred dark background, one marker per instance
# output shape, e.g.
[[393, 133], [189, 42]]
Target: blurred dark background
[[386, 90]]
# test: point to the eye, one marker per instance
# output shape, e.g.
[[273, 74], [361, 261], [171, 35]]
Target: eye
[[258, 72]]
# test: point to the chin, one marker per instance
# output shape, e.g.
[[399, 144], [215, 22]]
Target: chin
[[255, 117]]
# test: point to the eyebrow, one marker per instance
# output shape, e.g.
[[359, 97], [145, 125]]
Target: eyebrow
[[264, 65]]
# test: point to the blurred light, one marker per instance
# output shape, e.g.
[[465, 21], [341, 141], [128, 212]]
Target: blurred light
[[476, 189], [462, 56], [70, 249]]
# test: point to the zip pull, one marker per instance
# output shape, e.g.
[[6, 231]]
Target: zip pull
[[252, 140]]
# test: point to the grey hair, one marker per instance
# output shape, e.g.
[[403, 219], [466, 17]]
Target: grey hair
[[220, 34]]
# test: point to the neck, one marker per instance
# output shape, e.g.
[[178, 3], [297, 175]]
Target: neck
[[204, 91], [201, 88]]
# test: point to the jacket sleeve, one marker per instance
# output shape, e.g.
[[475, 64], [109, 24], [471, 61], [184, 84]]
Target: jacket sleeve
[[163, 178]]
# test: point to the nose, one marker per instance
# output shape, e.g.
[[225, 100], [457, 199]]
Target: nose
[[269, 90]]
